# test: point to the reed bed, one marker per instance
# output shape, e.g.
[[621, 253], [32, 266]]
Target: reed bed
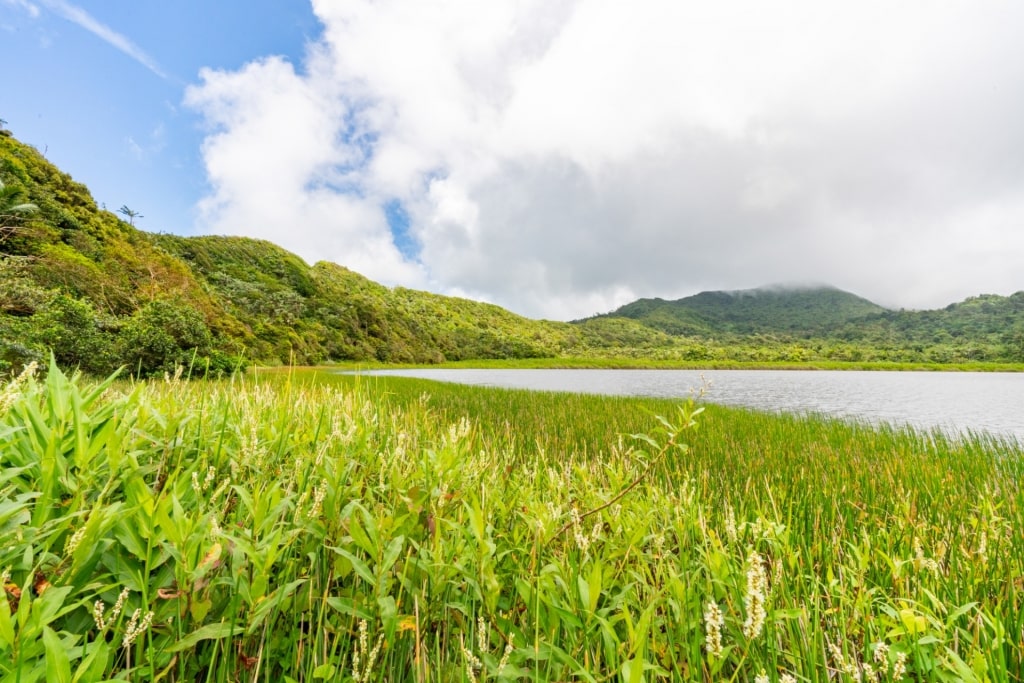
[[307, 526]]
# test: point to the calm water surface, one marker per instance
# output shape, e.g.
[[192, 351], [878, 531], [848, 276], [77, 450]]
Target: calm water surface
[[952, 401]]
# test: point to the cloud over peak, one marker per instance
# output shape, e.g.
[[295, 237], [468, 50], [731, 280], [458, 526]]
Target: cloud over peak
[[560, 158]]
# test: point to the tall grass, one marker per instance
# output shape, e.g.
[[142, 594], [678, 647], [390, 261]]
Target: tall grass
[[306, 527]]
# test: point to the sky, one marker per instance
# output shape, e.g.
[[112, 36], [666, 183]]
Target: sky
[[559, 158]]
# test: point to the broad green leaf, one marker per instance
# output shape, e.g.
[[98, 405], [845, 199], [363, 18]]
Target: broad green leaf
[[208, 632], [357, 565], [58, 665]]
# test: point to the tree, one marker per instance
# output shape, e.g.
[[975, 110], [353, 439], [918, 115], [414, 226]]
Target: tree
[[14, 206], [131, 215]]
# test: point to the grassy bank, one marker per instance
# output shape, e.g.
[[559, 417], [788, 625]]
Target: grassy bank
[[303, 526]]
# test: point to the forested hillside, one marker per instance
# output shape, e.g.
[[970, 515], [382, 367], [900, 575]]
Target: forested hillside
[[99, 293], [801, 311], [827, 323]]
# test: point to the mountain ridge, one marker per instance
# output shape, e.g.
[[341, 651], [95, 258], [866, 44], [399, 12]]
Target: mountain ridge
[[802, 310], [99, 293]]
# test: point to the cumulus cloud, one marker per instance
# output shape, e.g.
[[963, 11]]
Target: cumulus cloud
[[562, 157]]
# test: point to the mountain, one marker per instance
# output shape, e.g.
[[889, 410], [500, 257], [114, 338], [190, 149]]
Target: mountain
[[99, 293], [798, 311], [822, 322]]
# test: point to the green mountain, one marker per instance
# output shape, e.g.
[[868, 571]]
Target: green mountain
[[797, 311], [809, 323], [99, 293]]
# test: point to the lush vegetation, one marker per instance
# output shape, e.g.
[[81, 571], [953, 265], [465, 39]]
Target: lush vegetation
[[298, 527], [793, 310], [100, 294], [824, 323], [82, 283]]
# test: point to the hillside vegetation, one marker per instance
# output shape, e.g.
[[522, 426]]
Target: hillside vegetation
[[99, 293], [807, 323]]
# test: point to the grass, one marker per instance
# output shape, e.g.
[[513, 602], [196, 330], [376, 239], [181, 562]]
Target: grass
[[308, 526]]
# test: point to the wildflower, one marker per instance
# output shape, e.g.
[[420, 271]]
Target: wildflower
[[73, 542], [787, 678], [99, 612], [361, 674], [922, 562], [582, 541], [837, 656], [10, 392], [882, 654], [98, 609], [135, 627], [482, 634], [849, 668], [509, 646], [761, 677], [318, 499], [899, 667], [713, 623], [730, 524], [473, 662], [754, 600]]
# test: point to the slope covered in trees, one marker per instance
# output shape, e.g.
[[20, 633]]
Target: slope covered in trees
[[100, 293], [801, 311], [828, 323]]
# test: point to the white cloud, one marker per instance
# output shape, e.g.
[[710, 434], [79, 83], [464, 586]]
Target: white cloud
[[563, 157], [77, 15]]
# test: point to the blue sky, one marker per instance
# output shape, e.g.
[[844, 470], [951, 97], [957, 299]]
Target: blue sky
[[99, 86], [556, 157]]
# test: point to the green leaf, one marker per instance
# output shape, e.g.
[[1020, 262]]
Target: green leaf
[[324, 671], [200, 608], [632, 671], [58, 665], [95, 663], [391, 554], [6, 623], [208, 632], [48, 606], [358, 565]]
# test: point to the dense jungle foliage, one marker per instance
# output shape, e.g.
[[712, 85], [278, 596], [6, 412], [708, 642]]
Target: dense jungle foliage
[[99, 293]]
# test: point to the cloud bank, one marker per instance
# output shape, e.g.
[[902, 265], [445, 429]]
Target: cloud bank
[[562, 157]]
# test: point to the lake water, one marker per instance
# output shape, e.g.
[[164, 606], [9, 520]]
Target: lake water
[[952, 401]]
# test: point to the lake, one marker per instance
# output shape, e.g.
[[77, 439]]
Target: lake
[[955, 402]]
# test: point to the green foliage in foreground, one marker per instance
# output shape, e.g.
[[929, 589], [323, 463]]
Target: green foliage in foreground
[[306, 527]]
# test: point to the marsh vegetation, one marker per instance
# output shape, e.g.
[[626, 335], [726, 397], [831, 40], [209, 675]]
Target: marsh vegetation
[[303, 526]]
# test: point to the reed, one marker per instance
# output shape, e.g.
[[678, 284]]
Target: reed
[[302, 526]]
